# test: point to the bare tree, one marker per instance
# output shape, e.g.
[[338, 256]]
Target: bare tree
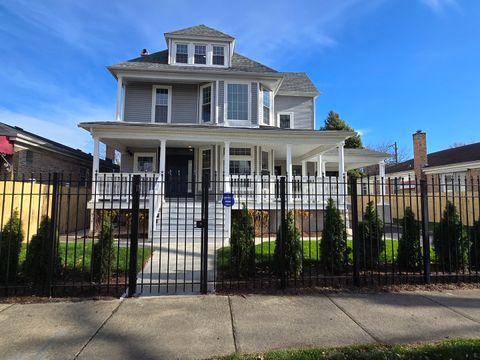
[[401, 154]]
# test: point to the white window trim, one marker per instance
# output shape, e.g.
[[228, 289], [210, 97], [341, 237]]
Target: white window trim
[[262, 120], [286, 113], [250, 157], [175, 52], [200, 164], [154, 101], [191, 54], [200, 104], [234, 122], [140, 154]]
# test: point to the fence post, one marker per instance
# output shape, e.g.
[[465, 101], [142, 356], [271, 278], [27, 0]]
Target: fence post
[[204, 239], [283, 229], [53, 234], [355, 239], [425, 232], [132, 279]]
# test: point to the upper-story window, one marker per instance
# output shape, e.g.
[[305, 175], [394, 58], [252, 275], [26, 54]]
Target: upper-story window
[[161, 104], [266, 106], [200, 54], [181, 55], [218, 55], [237, 102], [206, 103], [285, 120]]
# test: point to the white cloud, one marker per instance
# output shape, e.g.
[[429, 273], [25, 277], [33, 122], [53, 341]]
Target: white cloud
[[440, 6], [64, 131]]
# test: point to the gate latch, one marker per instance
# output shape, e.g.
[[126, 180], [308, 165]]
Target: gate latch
[[199, 224]]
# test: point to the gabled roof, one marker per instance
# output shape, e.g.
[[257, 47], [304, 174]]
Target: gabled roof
[[159, 61], [200, 31], [297, 82], [457, 155]]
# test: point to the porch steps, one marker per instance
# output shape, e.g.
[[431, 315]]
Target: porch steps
[[178, 219]]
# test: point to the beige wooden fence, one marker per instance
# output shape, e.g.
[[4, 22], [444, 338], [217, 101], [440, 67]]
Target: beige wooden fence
[[33, 201]]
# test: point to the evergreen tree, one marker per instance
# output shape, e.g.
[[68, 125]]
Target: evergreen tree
[[103, 252], [11, 238], [333, 247], [334, 122], [242, 242], [370, 232], [293, 248], [451, 241], [409, 254], [41, 256]]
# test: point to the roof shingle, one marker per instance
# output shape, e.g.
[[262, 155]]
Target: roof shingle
[[297, 82], [201, 31]]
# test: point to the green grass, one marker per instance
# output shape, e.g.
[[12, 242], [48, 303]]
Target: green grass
[[447, 349], [78, 256], [311, 252]]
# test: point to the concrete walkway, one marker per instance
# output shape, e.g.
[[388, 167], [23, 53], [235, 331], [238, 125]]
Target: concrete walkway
[[196, 327]]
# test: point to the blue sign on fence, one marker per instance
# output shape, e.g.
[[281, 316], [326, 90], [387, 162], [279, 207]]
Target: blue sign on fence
[[228, 199]]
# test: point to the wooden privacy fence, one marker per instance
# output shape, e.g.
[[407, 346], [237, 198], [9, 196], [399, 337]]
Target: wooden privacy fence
[[33, 200]]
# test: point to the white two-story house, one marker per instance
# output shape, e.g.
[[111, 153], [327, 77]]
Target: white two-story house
[[200, 109]]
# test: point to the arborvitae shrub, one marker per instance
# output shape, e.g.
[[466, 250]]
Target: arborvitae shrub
[[11, 238], [293, 248], [103, 250], [333, 247], [370, 233], [409, 254], [242, 242], [41, 255], [451, 241]]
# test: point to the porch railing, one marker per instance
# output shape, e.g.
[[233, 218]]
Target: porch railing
[[117, 186]]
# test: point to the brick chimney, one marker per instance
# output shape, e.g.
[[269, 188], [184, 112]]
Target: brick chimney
[[420, 159], [110, 153]]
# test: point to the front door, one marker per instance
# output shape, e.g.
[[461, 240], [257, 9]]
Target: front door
[[179, 173]]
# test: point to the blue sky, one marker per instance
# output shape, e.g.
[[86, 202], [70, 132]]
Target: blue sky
[[389, 67]]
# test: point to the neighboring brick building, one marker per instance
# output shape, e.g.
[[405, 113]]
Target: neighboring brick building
[[27, 154], [454, 168]]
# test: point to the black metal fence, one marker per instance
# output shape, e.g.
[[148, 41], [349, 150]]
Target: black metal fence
[[152, 234]]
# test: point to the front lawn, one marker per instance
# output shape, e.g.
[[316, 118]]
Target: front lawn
[[447, 349], [77, 257], [311, 252]]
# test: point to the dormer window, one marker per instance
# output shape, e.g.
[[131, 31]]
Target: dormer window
[[218, 55], [200, 54], [181, 55]]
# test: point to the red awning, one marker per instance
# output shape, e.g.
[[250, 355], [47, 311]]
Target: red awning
[[6, 147]]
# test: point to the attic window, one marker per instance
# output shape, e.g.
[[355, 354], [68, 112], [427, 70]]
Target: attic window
[[182, 54], [200, 54], [218, 55]]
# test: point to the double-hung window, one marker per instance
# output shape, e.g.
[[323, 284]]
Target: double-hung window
[[237, 102], [181, 55], [218, 55], [285, 120], [206, 103], [240, 161], [200, 54], [266, 106], [161, 104]]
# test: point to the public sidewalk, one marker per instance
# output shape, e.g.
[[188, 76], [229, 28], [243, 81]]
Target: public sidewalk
[[208, 326]]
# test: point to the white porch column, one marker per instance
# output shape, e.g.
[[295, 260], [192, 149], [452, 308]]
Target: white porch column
[[227, 188], [161, 167], [289, 172], [95, 168], [320, 165], [118, 115], [341, 172], [304, 168], [381, 172]]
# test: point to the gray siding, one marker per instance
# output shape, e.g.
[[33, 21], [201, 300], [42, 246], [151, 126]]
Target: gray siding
[[184, 103], [221, 101], [302, 108], [254, 103], [138, 102]]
